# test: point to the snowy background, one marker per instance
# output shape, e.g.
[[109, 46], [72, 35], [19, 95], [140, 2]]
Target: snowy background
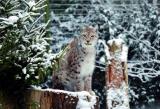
[[26, 56], [137, 22]]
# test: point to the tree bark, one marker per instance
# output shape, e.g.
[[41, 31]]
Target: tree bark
[[117, 76], [51, 100]]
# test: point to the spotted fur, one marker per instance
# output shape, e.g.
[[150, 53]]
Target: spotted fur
[[77, 65]]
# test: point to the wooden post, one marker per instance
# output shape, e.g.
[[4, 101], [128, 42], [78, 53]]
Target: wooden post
[[116, 75]]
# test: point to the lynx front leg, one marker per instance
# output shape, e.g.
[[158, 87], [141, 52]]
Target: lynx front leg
[[79, 85], [88, 84]]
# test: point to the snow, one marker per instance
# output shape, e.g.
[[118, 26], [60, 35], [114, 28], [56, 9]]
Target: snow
[[102, 60], [106, 49], [83, 102], [118, 42], [22, 47], [119, 96], [27, 76], [86, 100], [136, 95], [24, 70], [124, 53], [31, 3], [68, 25], [158, 32], [12, 19], [18, 77], [37, 77]]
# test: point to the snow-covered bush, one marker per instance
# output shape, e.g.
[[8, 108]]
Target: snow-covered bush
[[144, 53], [25, 54]]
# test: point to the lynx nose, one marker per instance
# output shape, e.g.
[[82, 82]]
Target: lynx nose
[[88, 42]]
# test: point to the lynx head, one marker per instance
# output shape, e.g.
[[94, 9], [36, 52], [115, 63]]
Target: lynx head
[[89, 37]]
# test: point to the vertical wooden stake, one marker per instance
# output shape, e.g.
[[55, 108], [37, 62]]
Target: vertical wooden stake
[[116, 75]]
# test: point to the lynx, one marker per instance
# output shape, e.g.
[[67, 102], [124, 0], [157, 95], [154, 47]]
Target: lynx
[[77, 65]]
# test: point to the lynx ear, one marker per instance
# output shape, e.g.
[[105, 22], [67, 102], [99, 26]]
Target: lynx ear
[[85, 27], [96, 28], [82, 28]]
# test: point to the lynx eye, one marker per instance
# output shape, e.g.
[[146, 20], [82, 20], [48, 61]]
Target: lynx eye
[[84, 35], [92, 36]]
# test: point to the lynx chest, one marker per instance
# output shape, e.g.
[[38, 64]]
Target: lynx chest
[[88, 64]]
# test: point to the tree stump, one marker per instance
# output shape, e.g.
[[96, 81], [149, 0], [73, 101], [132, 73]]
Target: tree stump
[[58, 99], [55, 99], [116, 75]]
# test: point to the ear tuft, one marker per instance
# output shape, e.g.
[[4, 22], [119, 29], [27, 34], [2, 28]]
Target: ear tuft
[[96, 27]]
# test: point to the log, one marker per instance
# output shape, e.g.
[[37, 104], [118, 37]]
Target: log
[[116, 75], [54, 99]]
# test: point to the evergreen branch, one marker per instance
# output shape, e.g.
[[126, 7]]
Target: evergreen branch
[[40, 2], [2, 27], [2, 8], [47, 23], [42, 34], [49, 39], [24, 2], [5, 19], [45, 27], [34, 14], [36, 21], [39, 8], [14, 7], [8, 1], [26, 17], [29, 35], [30, 18], [15, 11], [36, 29], [39, 53], [25, 27]]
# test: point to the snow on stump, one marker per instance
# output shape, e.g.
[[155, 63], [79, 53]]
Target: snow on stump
[[59, 99], [116, 75]]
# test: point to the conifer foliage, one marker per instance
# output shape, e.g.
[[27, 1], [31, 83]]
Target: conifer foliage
[[25, 55]]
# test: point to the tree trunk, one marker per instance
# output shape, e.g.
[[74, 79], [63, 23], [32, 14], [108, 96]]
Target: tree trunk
[[116, 76]]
